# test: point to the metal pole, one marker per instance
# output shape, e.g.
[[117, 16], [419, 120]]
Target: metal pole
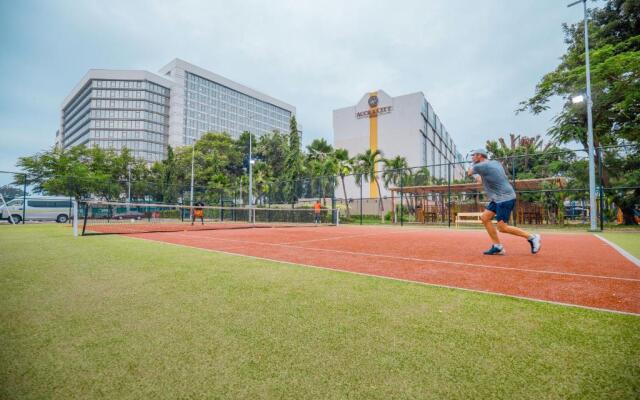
[[193, 156], [513, 176], [449, 193], [600, 167], [250, 179], [24, 199], [361, 199], [592, 168], [402, 198]]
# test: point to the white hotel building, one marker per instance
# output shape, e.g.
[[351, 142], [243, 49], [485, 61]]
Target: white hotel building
[[404, 126], [145, 112]]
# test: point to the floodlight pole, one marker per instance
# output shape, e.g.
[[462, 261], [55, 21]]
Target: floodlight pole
[[591, 150]]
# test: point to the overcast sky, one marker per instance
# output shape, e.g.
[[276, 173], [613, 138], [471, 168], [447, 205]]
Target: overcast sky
[[474, 60]]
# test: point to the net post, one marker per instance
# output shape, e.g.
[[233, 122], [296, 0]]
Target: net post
[[361, 183], [74, 204], [449, 194], [402, 199], [513, 177]]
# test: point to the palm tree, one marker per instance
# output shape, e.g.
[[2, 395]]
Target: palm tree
[[395, 172], [368, 163], [344, 166]]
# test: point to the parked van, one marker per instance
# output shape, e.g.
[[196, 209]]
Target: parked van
[[45, 208]]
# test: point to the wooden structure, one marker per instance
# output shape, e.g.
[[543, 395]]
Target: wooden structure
[[431, 201]]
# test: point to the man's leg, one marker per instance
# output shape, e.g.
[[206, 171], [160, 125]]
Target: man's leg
[[487, 217], [503, 227]]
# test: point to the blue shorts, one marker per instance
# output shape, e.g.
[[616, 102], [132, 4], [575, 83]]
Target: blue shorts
[[502, 209]]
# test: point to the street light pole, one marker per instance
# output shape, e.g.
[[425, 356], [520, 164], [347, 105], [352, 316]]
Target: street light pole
[[591, 150]]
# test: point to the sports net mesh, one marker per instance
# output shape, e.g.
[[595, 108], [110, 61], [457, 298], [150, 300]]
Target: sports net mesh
[[99, 217]]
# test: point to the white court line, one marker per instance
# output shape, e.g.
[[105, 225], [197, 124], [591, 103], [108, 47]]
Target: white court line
[[620, 250], [339, 270], [414, 259]]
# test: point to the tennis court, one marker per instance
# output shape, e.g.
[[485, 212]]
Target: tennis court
[[576, 269]]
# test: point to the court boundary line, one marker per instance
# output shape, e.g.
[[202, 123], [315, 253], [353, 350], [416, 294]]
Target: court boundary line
[[414, 259], [532, 299], [620, 250]]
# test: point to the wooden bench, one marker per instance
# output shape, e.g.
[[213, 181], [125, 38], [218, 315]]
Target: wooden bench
[[469, 218]]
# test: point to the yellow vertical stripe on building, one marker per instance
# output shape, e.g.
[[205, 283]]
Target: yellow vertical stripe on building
[[373, 144]]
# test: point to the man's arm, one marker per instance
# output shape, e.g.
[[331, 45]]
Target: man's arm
[[470, 172]]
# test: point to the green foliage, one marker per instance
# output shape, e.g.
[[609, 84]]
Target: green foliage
[[614, 39]]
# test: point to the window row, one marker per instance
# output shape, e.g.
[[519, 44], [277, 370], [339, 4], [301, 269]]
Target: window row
[[128, 135], [128, 125], [125, 114], [130, 104], [134, 94], [209, 88], [196, 100], [129, 144], [126, 84], [223, 115]]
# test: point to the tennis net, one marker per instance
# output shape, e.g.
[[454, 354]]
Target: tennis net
[[102, 217]]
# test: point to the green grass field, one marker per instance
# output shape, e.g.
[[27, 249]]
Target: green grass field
[[628, 241], [118, 318]]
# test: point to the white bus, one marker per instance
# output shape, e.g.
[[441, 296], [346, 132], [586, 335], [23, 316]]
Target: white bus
[[45, 208]]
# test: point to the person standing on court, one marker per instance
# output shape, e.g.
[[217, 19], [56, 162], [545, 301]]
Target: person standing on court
[[198, 212], [317, 209], [502, 199]]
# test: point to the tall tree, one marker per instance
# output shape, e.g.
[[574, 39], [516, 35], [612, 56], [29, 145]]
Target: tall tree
[[614, 38], [293, 162], [344, 166], [368, 164]]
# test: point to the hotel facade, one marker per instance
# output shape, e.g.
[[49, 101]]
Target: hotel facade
[[145, 112], [404, 126]]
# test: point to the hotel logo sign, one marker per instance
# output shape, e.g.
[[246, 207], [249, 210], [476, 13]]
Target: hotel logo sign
[[374, 112]]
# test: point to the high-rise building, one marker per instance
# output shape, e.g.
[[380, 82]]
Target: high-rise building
[[117, 109], [145, 112], [202, 101], [405, 126]]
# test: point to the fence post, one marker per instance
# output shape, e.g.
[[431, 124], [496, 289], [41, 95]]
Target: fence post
[[513, 177], [361, 182], [600, 170], [449, 193], [402, 199]]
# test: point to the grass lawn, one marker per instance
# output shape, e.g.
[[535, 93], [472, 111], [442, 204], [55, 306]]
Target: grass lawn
[[112, 317], [630, 241]]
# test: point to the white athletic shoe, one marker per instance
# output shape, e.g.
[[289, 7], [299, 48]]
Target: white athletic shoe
[[535, 243]]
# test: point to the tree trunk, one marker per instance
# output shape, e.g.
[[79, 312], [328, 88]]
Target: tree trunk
[[379, 194], [344, 191]]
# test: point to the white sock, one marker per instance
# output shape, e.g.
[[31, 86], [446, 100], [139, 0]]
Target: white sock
[[497, 246], [531, 237]]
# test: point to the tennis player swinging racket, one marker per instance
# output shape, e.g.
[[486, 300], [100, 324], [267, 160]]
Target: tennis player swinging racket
[[502, 200]]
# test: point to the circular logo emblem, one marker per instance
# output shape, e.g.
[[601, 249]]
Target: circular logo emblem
[[373, 101]]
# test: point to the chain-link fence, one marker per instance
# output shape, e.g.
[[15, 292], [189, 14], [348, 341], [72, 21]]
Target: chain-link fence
[[552, 190]]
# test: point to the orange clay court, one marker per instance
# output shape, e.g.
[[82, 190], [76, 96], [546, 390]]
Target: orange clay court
[[578, 269]]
